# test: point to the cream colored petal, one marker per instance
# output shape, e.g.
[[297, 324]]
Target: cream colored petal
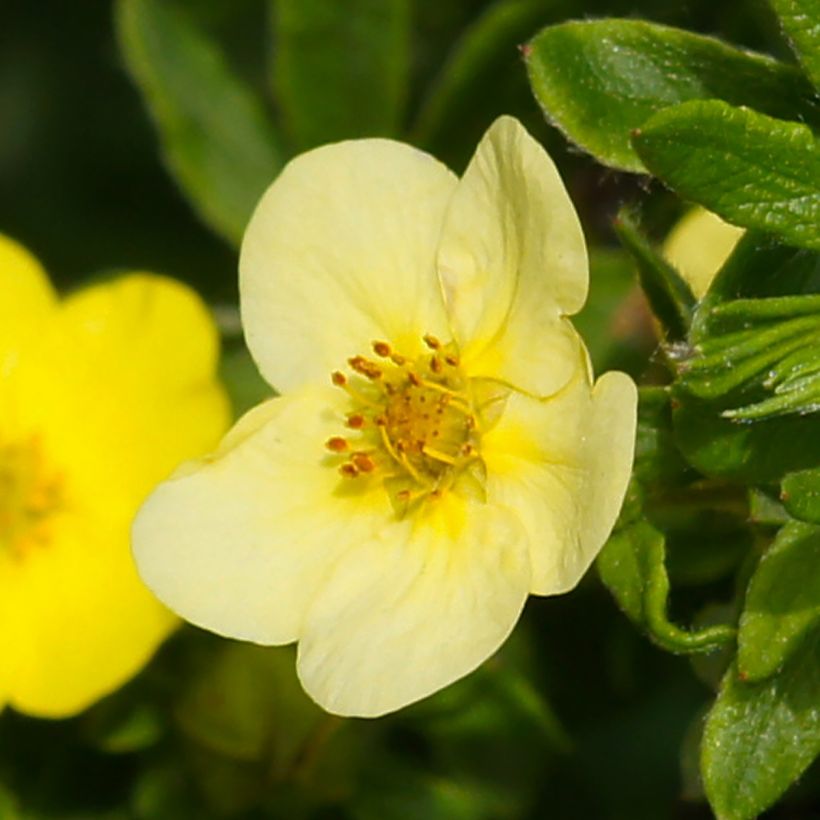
[[26, 300], [562, 465], [512, 262], [75, 620], [414, 609], [699, 245], [341, 252], [238, 542]]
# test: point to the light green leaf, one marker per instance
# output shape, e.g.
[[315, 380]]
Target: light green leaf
[[800, 494], [760, 737], [598, 80], [214, 134], [340, 69], [782, 602], [753, 170], [800, 20], [632, 567]]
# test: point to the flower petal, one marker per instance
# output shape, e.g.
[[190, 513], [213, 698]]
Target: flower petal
[[512, 262], [415, 608], [699, 245], [341, 252], [27, 299], [238, 542], [124, 387], [562, 465], [75, 620]]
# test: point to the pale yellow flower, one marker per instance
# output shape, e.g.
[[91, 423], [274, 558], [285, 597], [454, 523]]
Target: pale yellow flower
[[438, 451], [101, 396], [698, 246]]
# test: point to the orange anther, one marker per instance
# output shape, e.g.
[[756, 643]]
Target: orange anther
[[363, 462], [338, 378], [432, 342], [348, 470], [337, 444], [435, 364], [356, 421], [451, 360], [381, 349], [365, 367]]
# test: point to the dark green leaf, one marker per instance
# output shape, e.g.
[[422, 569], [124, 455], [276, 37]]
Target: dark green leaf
[[782, 602], [599, 80], [483, 50], [801, 494], [668, 294], [759, 452], [753, 170], [760, 737], [247, 704], [759, 267], [632, 567], [657, 459], [214, 135], [340, 69], [801, 25]]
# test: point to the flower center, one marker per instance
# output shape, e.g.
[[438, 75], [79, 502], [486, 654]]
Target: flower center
[[414, 424], [29, 494]]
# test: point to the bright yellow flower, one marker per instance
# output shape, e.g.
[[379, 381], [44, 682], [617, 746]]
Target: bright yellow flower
[[101, 396], [439, 450], [699, 245]]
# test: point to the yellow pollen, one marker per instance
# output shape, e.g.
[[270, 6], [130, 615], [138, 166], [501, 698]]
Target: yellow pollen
[[413, 423], [30, 494]]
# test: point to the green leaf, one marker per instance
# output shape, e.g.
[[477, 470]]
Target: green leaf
[[760, 737], [782, 602], [214, 134], [800, 493], [340, 69], [599, 80], [657, 459], [759, 267], [668, 294], [753, 170], [757, 453], [632, 567], [240, 375], [800, 20]]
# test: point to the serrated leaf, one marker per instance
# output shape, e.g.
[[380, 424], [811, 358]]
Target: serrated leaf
[[632, 567], [340, 70], [753, 170], [669, 296], [760, 737], [214, 134], [800, 20], [800, 493], [598, 80], [782, 601]]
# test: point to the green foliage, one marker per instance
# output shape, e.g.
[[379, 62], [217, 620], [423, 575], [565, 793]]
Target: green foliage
[[215, 136], [340, 70], [668, 294], [753, 170], [782, 603], [801, 494], [599, 80], [800, 20], [760, 737]]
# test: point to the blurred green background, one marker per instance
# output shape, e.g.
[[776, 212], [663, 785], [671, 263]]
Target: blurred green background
[[578, 716]]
